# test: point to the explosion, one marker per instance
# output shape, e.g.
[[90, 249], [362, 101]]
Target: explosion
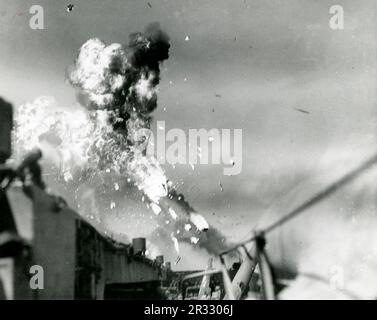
[[117, 90]]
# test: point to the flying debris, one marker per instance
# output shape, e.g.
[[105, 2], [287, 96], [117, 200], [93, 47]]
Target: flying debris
[[217, 95], [173, 213], [187, 38], [155, 208], [302, 110], [149, 5], [221, 186], [70, 7], [199, 222], [194, 240], [176, 244]]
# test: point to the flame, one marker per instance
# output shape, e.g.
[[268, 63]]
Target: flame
[[117, 89], [84, 141]]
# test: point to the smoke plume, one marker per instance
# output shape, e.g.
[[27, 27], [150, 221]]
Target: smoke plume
[[107, 136]]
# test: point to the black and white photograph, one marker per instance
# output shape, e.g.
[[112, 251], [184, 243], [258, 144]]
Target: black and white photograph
[[188, 150]]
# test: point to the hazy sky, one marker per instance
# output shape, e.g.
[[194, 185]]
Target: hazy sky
[[265, 58]]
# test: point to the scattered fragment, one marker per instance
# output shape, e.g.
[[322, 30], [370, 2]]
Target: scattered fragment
[[178, 259], [221, 186], [155, 208], [112, 205], [217, 95], [149, 5], [187, 38], [70, 7], [173, 214], [67, 176], [116, 186], [302, 110], [176, 244], [199, 221], [194, 240], [187, 227]]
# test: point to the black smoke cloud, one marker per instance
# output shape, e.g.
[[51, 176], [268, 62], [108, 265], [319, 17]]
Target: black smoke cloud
[[121, 78]]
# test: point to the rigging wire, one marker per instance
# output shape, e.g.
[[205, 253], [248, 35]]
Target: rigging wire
[[350, 176], [347, 178]]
